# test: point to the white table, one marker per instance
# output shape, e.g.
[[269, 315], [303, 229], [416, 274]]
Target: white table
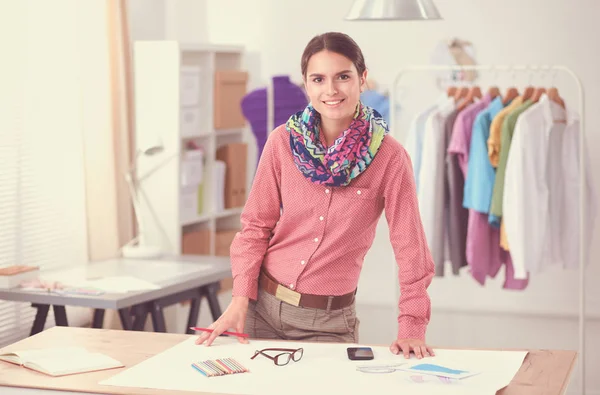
[[179, 279]]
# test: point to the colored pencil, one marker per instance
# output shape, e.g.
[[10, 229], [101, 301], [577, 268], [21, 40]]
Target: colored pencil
[[237, 334], [200, 370]]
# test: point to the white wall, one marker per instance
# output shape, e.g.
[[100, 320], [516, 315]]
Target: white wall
[[504, 32]]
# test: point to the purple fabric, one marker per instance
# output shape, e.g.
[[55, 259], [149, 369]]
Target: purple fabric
[[486, 257], [463, 127], [457, 215], [288, 99]]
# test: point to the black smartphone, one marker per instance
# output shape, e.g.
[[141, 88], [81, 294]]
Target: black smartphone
[[360, 353]]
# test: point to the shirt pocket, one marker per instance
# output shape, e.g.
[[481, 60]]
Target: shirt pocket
[[356, 193]]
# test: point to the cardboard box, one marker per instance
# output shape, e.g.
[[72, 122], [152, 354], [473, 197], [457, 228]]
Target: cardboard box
[[235, 157], [195, 242], [230, 89], [223, 239]]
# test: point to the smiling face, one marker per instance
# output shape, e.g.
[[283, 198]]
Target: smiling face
[[333, 85]]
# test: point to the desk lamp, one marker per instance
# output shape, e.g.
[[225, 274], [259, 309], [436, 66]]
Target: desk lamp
[[138, 247]]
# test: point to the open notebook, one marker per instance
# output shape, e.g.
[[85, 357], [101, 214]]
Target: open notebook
[[60, 361]]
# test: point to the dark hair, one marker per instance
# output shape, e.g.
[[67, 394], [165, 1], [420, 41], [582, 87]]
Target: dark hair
[[335, 42]]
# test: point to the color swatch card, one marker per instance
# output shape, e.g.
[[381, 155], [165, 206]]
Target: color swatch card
[[435, 367]]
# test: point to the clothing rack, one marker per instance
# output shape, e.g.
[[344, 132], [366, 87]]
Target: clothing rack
[[582, 168]]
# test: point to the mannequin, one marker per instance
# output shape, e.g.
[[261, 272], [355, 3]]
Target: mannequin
[[288, 98]]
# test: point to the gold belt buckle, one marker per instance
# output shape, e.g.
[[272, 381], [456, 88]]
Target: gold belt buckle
[[287, 295]]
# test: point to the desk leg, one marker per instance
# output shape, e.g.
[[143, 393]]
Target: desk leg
[[98, 320], [40, 318], [158, 318], [125, 319], [193, 316], [60, 315], [213, 301], [140, 312]]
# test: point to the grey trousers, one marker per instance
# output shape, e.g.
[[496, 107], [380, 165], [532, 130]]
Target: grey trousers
[[270, 318]]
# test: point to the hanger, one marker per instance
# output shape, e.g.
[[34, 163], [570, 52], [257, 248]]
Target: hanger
[[555, 97], [510, 95], [461, 92], [537, 93], [553, 92], [494, 92], [528, 92], [472, 93]]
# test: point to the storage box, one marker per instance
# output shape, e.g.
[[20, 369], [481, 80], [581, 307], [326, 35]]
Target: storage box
[[235, 157], [192, 168], [190, 122], [190, 86], [223, 240], [195, 242], [189, 207], [230, 89]]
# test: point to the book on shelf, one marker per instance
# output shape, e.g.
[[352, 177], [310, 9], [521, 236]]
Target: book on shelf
[[61, 361], [220, 170], [13, 276]]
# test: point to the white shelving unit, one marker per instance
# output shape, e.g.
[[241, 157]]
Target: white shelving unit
[[166, 99]]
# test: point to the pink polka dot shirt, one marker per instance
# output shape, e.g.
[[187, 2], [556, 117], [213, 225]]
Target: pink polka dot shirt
[[313, 238]]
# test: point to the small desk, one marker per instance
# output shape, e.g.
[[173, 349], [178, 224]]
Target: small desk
[[180, 278], [544, 372]]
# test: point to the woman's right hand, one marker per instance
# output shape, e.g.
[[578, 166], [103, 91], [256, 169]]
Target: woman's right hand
[[234, 318]]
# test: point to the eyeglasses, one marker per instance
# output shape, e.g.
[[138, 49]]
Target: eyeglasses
[[283, 358], [380, 368]]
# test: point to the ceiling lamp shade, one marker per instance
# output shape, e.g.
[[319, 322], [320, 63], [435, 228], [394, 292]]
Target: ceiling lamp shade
[[393, 10]]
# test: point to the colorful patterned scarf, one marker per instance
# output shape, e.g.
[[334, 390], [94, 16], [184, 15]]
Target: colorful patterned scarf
[[350, 154]]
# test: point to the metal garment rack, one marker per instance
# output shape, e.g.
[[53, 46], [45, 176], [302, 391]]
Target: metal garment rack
[[582, 169]]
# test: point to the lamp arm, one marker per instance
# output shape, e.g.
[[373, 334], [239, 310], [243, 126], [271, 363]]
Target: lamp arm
[[136, 207], [157, 167]]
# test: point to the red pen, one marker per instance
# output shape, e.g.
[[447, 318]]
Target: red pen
[[224, 333]]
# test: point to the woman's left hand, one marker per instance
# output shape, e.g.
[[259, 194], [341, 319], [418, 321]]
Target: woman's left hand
[[407, 345]]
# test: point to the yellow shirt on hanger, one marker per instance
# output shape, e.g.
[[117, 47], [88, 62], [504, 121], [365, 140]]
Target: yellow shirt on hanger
[[496, 130]]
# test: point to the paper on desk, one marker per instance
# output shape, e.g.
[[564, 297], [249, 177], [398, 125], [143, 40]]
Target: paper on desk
[[171, 370], [120, 284]]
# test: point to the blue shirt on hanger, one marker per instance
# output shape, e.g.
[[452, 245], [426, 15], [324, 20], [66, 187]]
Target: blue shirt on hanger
[[481, 176], [379, 102]]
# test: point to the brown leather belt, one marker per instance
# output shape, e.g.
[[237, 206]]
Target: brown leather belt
[[294, 298]]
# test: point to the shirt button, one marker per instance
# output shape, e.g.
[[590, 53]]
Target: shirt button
[[321, 218], [316, 239], [358, 192], [327, 191], [291, 286], [302, 262]]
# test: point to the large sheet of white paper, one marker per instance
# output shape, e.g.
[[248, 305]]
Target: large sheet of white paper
[[324, 368], [120, 284]]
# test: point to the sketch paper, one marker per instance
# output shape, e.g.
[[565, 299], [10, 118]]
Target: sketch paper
[[172, 370]]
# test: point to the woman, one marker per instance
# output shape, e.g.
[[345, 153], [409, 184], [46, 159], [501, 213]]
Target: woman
[[323, 180]]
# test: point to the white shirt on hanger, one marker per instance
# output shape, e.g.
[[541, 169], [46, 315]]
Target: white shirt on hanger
[[539, 201], [431, 179], [414, 137]]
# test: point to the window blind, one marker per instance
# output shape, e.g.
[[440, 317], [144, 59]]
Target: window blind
[[42, 190]]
